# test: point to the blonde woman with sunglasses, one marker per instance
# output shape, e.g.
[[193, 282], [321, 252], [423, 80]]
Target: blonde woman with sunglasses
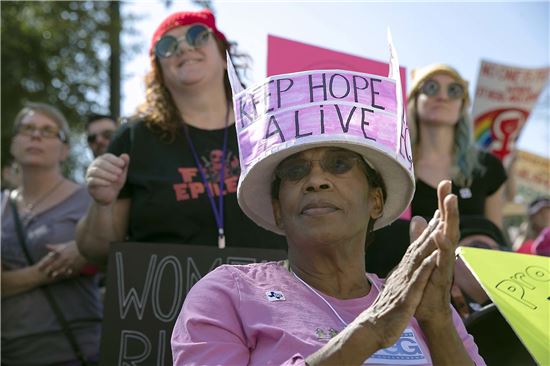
[[443, 148], [171, 172]]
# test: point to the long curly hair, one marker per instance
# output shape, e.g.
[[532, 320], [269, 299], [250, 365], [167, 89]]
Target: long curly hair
[[159, 111], [465, 153]]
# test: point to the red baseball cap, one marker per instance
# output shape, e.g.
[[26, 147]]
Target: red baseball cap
[[185, 18]]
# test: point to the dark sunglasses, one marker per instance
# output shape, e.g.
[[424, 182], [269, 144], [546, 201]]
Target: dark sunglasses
[[336, 163], [44, 132], [107, 134], [431, 88], [196, 37]]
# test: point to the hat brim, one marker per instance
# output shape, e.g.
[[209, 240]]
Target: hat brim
[[254, 190]]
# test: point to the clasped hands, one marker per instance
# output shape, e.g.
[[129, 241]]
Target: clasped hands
[[62, 261], [420, 285]]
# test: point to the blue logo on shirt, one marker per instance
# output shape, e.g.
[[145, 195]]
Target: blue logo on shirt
[[406, 351], [275, 295]]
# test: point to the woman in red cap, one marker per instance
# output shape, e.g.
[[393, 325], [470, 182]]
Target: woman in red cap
[[171, 172]]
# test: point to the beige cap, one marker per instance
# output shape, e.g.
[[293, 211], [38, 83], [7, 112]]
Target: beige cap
[[421, 74]]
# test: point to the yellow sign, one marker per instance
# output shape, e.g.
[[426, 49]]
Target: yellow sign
[[519, 285]]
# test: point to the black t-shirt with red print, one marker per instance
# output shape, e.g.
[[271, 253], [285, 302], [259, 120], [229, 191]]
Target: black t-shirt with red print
[[169, 200]]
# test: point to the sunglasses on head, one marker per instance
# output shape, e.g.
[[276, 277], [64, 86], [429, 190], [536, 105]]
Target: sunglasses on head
[[334, 162], [431, 88], [196, 37], [105, 134], [44, 132]]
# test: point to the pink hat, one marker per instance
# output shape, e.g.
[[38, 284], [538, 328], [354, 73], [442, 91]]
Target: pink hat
[[182, 18]]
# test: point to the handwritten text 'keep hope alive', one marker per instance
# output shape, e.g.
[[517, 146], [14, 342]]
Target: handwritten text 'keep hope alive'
[[315, 103]]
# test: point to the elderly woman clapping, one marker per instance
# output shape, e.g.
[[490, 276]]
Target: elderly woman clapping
[[325, 162]]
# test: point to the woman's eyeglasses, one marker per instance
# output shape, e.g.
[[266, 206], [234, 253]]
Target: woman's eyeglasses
[[431, 88], [44, 132], [196, 37], [335, 163], [106, 135]]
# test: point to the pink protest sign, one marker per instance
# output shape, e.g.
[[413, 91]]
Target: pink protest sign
[[308, 57], [302, 105], [504, 98]]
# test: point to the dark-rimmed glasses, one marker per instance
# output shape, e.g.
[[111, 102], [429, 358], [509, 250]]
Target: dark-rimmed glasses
[[196, 37], [431, 88], [106, 134], [294, 169], [47, 132]]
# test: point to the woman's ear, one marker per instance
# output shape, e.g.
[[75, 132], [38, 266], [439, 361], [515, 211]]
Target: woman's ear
[[277, 213], [376, 198]]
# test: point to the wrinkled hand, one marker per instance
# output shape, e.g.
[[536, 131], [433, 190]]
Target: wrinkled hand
[[435, 304], [403, 290], [106, 176], [63, 261]]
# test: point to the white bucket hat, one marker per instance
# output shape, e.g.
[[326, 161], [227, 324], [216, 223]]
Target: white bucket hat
[[290, 113]]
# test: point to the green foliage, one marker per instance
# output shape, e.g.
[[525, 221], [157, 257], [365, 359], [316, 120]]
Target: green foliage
[[54, 52], [207, 4]]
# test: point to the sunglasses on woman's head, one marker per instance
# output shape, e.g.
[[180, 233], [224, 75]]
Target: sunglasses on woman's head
[[29, 129], [431, 88], [334, 162], [106, 134], [196, 37]]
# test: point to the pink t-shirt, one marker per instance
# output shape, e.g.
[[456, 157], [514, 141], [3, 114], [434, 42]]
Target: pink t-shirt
[[261, 314]]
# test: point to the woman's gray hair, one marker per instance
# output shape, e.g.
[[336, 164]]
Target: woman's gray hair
[[47, 110]]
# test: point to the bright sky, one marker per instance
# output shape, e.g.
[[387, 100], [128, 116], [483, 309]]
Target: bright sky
[[460, 34]]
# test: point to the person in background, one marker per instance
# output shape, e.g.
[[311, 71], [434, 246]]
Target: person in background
[[541, 245], [538, 218], [99, 130], [477, 232], [171, 172], [40, 260], [441, 139]]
